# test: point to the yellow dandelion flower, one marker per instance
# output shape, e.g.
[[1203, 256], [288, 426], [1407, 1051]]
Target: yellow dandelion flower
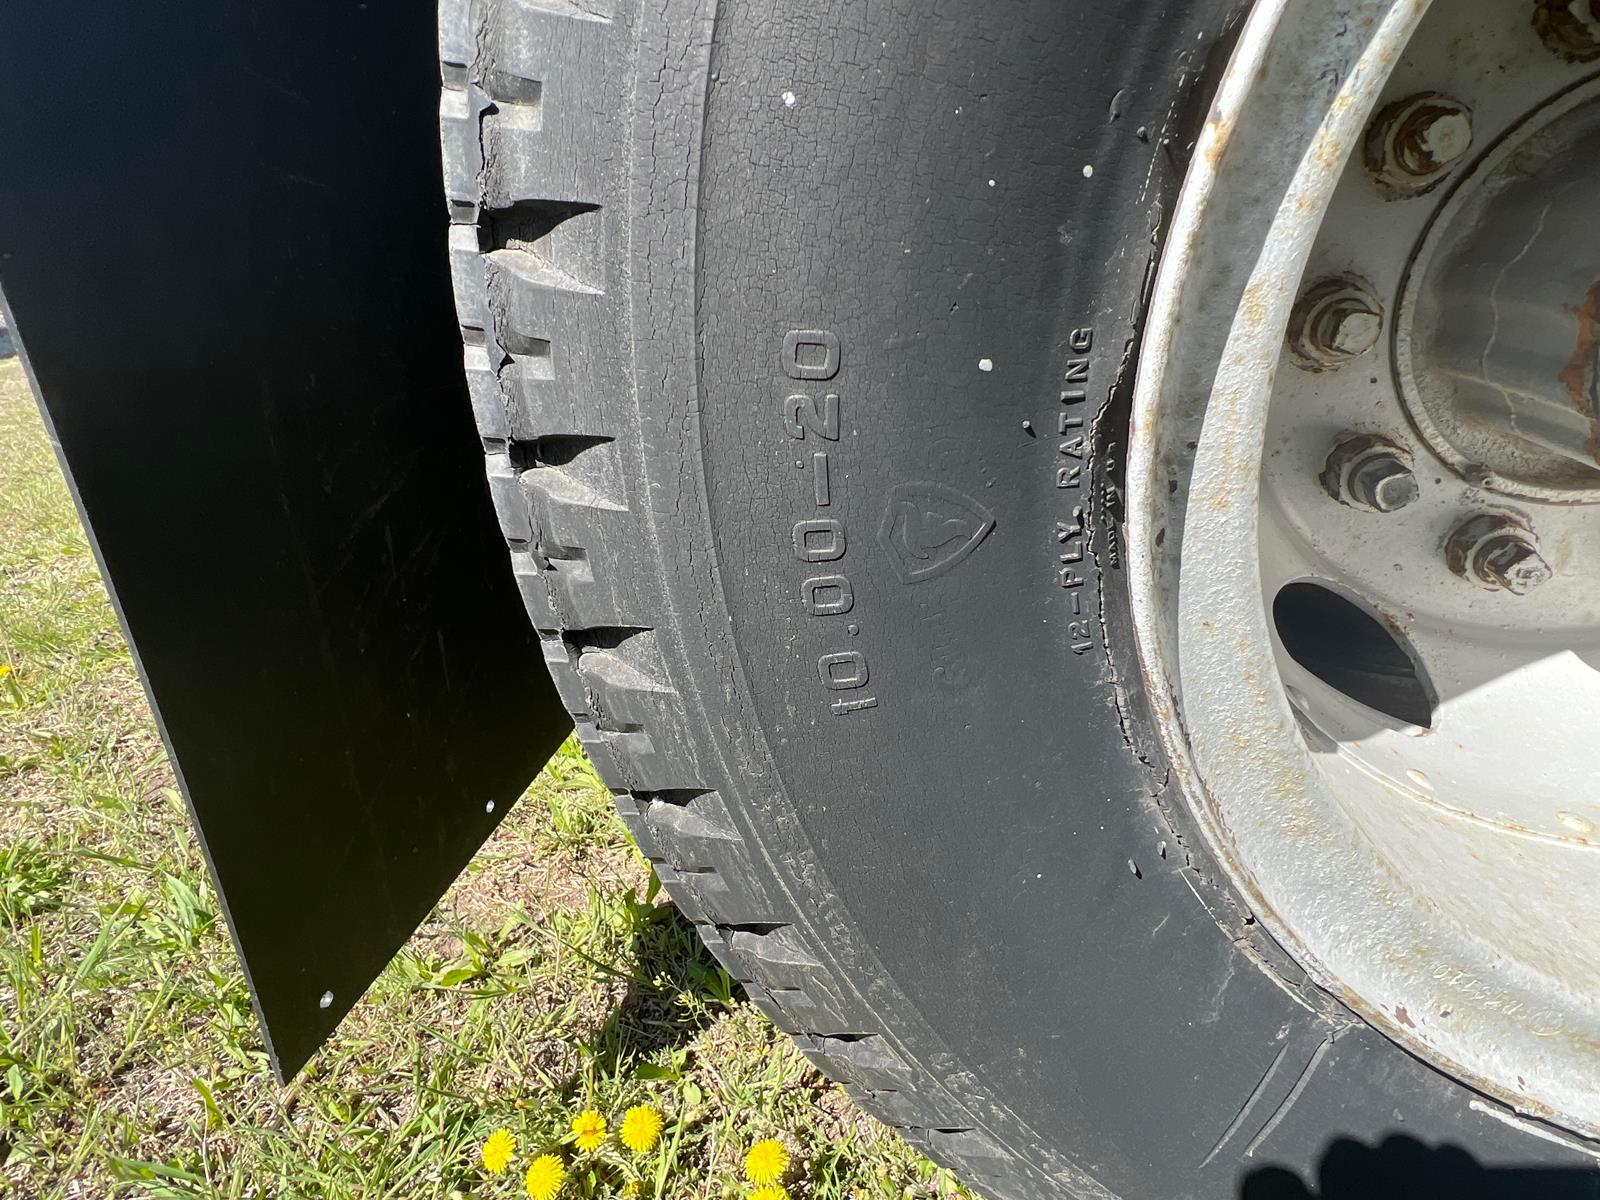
[[772, 1191], [632, 1188], [766, 1161], [544, 1177], [589, 1129], [497, 1150], [641, 1128]]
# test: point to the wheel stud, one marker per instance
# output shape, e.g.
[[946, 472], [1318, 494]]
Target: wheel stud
[[1413, 143], [1371, 472], [1570, 27], [1497, 550], [1382, 482], [1337, 319]]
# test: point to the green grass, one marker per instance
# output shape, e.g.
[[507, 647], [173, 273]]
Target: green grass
[[550, 978]]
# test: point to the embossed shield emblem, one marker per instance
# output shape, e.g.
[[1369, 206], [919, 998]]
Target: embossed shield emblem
[[929, 529]]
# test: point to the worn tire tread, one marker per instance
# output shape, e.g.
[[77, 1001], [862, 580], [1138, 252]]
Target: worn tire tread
[[583, 558]]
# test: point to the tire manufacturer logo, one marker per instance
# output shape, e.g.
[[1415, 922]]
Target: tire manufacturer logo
[[930, 529]]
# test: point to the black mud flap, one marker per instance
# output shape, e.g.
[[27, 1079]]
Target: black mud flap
[[223, 250]]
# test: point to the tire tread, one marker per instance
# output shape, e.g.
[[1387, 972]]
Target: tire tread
[[527, 196]]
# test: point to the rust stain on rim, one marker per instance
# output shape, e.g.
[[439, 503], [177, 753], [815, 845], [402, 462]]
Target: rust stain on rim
[[1578, 376]]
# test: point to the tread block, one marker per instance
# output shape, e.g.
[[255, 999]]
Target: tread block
[[564, 498], [489, 409], [536, 404], [975, 1151], [806, 1012], [714, 893], [687, 901], [563, 593], [536, 596], [555, 514], [534, 309], [628, 699], [762, 999], [563, 666], [455, 32], [524, 389], [505, 490], [868, 1062], [983, 1175], [459, 111], [532, 276], [568, 236], [697, 833], [600, 752], [631, 811], [564, 144], [793, 1010], [778, 956], [775, 960], [585, 10], [467, 277], [700, 825], [587, 602], [566, 520], [890, 1106]]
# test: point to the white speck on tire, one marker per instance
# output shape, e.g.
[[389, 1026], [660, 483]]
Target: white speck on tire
[[986, 364], [1088, 170], [788, 99], [325, 1000]]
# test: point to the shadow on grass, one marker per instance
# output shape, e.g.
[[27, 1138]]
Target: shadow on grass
[[676, 990]]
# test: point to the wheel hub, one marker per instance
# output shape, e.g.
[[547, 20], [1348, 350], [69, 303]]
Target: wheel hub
[[1499, 320], [1363, 558]]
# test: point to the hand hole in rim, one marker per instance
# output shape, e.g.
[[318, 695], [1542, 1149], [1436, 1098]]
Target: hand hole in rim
[[1352, 652]]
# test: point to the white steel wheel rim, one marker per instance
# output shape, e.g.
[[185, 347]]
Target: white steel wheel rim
[[1488, 971]]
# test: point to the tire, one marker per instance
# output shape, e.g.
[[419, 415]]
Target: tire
[[859, 670]]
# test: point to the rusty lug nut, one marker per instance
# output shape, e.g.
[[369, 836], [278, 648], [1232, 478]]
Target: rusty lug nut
[[1497, 550], [1569, 27], [1336, 320], [1412, 144], [1371, 472]]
